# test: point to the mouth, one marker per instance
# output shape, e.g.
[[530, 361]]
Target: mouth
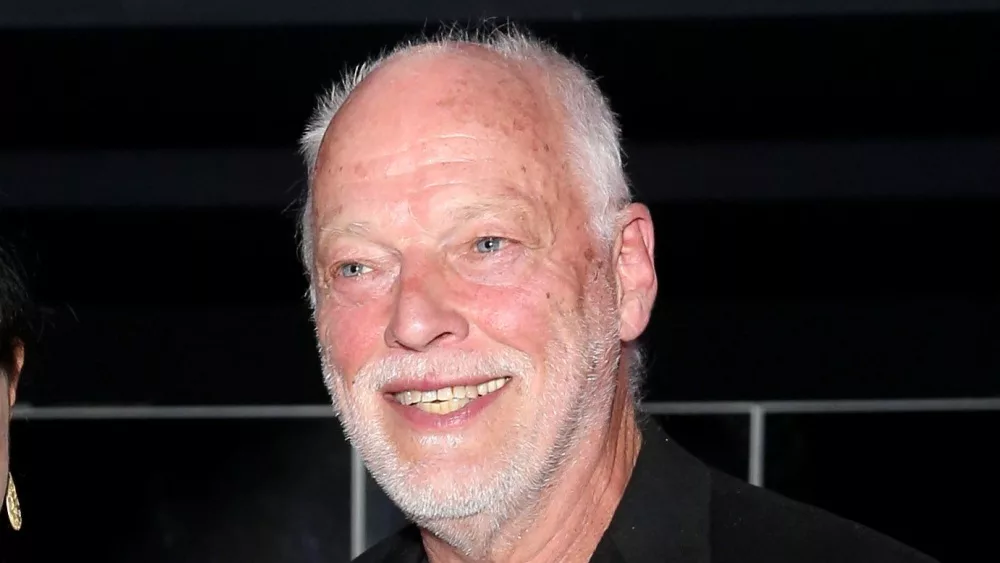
[[448, 399]]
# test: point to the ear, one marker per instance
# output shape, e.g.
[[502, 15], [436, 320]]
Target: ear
[[636, 270], [15, 375]]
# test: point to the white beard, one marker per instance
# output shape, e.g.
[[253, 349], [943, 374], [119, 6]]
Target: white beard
[[467, 506]]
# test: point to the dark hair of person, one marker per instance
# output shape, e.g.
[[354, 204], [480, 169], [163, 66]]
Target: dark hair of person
[[16, 309]]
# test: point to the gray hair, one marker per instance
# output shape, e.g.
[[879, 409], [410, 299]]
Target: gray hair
[[592, 133], [592, 130]]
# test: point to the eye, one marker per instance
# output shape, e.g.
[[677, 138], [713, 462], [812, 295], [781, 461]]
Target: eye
[[490, 244], [352, 270]]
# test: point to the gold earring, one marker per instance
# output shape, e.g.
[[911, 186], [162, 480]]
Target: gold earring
[[13, 505]]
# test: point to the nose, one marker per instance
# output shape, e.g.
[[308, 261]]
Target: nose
[[421, 317]]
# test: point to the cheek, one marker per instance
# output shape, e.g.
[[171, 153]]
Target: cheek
[[351, 335], [527, 316], [4, 428], [4, 409]]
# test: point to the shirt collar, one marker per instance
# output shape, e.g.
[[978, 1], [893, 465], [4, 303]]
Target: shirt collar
[[664, 512], [662, 516]]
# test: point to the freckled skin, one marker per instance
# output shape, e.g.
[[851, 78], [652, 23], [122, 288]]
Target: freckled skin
[[397, 168], [432, 153]]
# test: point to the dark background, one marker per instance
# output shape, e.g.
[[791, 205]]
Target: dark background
[[825, 184]]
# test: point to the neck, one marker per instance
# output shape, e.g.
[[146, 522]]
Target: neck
[[570, 516]]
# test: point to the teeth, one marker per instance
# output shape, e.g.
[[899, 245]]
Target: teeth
[[443, 407], [448, 399]]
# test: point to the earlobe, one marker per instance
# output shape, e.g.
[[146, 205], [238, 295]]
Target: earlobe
[[636, 269], [631, 311]]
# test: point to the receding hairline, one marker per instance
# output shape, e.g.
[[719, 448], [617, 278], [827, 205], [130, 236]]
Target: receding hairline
[[545, 106], [592, 134], [528, 73], [507, 46], [592, 131]]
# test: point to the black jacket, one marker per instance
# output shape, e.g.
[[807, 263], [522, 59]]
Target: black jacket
[[677, 510]]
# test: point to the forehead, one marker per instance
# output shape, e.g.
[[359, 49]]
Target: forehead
[[443, 121]]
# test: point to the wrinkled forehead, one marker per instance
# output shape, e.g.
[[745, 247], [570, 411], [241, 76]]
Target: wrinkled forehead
[[446, 108], [461, 87]]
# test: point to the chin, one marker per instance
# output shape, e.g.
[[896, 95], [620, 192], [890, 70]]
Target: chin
[[445, 503], [442, 489], [446, 477]]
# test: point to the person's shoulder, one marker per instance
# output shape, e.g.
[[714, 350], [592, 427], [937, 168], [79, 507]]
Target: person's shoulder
[[750, 520], [404, 546]]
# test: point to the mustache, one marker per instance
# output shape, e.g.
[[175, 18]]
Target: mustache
[[380, 372]]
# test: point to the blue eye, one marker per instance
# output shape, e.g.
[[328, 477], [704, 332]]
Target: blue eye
[[353, 270], [490, 244]]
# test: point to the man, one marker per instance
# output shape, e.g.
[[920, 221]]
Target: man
[[479, 280]]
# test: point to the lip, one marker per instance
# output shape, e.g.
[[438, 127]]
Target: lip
[[422, 421], [432, 383]]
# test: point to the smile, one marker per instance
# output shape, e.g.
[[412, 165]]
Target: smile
[[448, 399]]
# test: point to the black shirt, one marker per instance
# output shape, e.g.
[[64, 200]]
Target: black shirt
[[675, 509]]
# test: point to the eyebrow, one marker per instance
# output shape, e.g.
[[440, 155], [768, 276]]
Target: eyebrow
[[461, 213], [356, 228], [493, 208]]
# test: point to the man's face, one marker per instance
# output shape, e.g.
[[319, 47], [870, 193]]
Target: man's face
[[466, 316]]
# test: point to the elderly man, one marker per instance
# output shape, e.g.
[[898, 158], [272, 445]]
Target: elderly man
[[479, 278]]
